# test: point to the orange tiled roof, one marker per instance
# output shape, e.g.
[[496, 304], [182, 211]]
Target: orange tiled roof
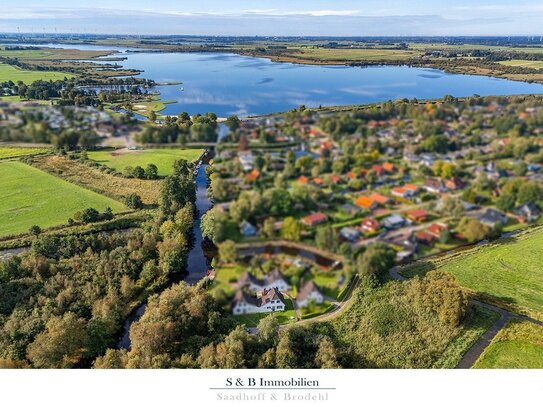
[[364, 202], [379, 198]]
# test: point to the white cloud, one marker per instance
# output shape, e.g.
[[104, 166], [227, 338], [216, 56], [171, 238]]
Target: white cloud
[[501, 8]]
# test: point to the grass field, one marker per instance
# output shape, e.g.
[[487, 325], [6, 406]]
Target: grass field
[[518, 346], [14, 152], [476, 325], [323, 54], [99, 181], [162, 158], [524, 63], [8, 72], [32, 197], [508, 271]]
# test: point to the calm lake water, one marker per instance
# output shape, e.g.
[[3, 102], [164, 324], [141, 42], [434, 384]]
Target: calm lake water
[[232, 84]]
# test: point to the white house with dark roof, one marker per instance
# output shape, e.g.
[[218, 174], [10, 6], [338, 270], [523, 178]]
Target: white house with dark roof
[[309, 292], [270, 301], [274, 279]]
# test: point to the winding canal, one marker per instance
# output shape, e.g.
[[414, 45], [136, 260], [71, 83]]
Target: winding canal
[[199, 261]]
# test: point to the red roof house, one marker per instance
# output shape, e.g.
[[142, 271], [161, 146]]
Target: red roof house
[[315, 219], [418, 215]]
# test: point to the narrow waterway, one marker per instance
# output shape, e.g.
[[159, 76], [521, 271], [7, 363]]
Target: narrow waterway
[[199, 260]]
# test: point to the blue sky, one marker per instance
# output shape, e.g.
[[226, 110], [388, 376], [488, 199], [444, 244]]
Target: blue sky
[[275, 17]]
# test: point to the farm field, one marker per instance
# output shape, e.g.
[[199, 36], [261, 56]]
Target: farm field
[[162, 158], [507, 272], [8, 72], [14, 152], [99, 181], [326, 56], [32, 197], [518, 346], [523, 63]]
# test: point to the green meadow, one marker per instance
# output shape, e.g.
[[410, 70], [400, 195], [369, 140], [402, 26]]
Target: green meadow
[[518, 346], [507, 272], [15, 152], [32, 197], [163, 158], [15, 74]]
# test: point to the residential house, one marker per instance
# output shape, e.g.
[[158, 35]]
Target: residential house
[[534, 167], [528, 212], [388, 167], [405, 239], [309, 292], [402, 192], [224, 206], [349, 234], [437, 229], [270, 301], [253, 175], [412, 188], [314, 219], [366, 203], [425, 237], [352, 175], [418, 215], [380, 199], [247, 229], [427, 159], [317, 181], [394, 221], [350, 209], [247, 160], [455, 184], [379, 170], [498, 174], [434, 185], [492, 217], [274, 279], [370, 225]]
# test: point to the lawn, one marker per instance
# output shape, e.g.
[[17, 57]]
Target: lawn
[[518, 346], [32, 197], [225, 277], [8, 72], [163, 158], [328, 282], [14, 152], [507, 272], [284, 317]]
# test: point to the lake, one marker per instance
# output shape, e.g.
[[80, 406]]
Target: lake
[[233, 84], [226, 83]]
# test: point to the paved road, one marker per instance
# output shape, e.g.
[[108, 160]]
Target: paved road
[[477, 349]]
